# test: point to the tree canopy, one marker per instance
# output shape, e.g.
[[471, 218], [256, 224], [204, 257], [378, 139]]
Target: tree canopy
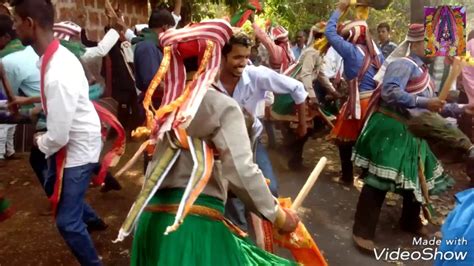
[[297, 15]]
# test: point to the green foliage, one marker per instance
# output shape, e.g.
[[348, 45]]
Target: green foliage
[[297, 15], [397, 15]]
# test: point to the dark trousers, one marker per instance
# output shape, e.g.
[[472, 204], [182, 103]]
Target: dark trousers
[[128, 113], [345, 155], [465, 122], [433, 127], [368, 211], [40, 166], [294, 144]]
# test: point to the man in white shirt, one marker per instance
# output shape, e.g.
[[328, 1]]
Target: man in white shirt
[[73, 126], [248, 85]]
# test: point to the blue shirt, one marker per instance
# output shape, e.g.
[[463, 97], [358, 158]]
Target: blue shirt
[[147, 60], [297, 51], [459, 225], [23, 74], [394, 86], [387, 48], [352, 56]]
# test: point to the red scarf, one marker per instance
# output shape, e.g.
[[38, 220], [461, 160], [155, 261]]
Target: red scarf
[[110, 159]]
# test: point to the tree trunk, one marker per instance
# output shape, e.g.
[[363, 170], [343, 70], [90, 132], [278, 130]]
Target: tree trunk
[[417, 13]]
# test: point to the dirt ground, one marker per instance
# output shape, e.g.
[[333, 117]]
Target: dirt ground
[[28, 238]]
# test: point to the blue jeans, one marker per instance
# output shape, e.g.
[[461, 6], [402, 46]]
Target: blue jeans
[[268, 125], [265, 165], [73, 212]]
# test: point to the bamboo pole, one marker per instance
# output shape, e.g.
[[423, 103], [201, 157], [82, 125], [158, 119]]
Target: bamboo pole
[[309, 183]]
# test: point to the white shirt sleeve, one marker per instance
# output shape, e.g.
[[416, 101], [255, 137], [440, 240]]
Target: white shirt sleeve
[[270, 80], [177, 19], [103, 48], [129, 35], [61, 103]]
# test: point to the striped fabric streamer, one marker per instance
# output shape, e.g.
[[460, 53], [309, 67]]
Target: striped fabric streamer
[[203, 157], [112, 157], [153, 181]]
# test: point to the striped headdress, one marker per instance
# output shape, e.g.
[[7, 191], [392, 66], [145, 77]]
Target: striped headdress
[[65, 30], [280, 36], [355, 31], [279, 33], [203, 40], [416, 33]]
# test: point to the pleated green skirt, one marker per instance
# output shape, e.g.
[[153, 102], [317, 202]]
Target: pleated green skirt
[[198, 241], [393, 156]]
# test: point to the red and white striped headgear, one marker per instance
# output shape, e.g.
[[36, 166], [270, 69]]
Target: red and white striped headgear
[[355, 31], [65, 30], [279, 33], [181, 101]]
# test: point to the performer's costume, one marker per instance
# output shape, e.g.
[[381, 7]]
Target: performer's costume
[[365, 60], [395, 159], [278, 47], [202, 150], [458, 231]]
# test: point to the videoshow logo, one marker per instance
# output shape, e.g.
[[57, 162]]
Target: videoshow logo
[[425, 253]]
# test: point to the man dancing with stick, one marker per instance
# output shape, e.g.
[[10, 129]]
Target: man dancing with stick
[[395, 158]]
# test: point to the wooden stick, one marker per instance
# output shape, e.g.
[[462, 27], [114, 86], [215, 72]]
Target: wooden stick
[[309, 183], [453, 74], [134, 159], [325, 118], [109, 8]]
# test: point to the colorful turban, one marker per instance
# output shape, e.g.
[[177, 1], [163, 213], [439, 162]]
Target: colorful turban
[[180, 103], [416, 33], [354, 31], [65, 30]]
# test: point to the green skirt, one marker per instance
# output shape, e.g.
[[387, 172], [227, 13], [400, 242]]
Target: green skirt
[[393, 155], [198, 241]]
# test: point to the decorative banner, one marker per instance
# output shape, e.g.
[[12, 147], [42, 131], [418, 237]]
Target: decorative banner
[[445, 31]]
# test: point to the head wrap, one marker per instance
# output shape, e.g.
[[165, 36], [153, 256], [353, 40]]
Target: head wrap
[[65, 30], [278, 33], [280, 36], [203, 40], [416, 33], [355, 31], [319, 27]]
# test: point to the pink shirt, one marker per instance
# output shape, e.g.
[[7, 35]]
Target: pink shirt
[[468, 75]]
